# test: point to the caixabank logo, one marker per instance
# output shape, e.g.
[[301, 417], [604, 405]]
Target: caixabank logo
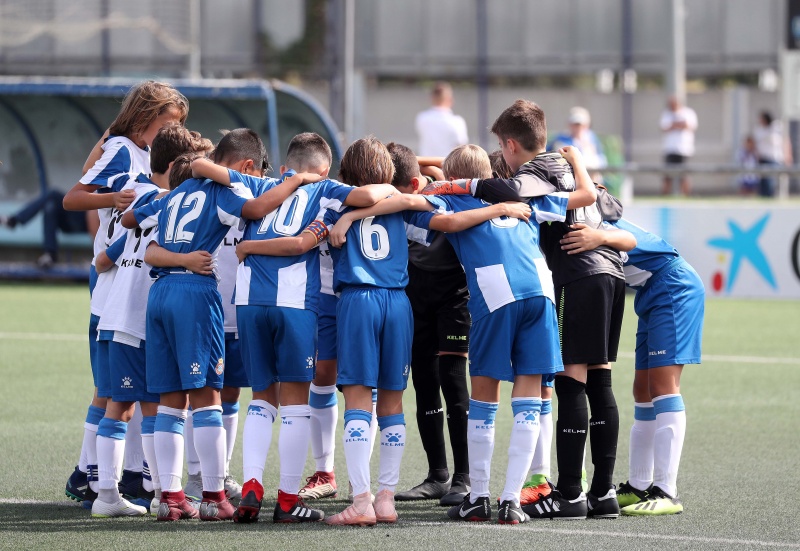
[[743, 245]]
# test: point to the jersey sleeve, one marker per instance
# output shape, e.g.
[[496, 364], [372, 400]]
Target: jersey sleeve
[[147, 215], [440, 204], [115, 161], [115, 250], [550, 208], [522, 187], [229, 206], [418, 225], [331, 217], [334, 195]]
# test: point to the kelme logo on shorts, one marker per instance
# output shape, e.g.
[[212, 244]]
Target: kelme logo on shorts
[[220, 367], [126, 382], [195, 369]]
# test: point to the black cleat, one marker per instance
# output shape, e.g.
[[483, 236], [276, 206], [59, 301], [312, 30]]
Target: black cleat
[[510, 513], [77, 485], [428, 489], [250, 505], [556, 506], [459, 489], [479, 511], [603, 507], [299, 512], [129, 484]]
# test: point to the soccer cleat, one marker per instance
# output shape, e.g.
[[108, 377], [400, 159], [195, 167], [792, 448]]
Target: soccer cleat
[[154, 505], [360, 513], [350, 493], [603, 507], [194, 487], [428, 489], [129, 484], [459, 489], [250, 505], [455, 187], [533, 493], [88, 498], [511, 513], [215, 506], [233, 490], [77, 484], [556, 506], [144, 498], [479, 511], [384, 507], [628, 495], [175, 506], [122, 508], [296, 512], [658, 502], [319, 485]]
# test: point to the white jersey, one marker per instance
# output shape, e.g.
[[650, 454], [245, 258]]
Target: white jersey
[[227, 265], [142, 186], [121, 160], [325, 269]]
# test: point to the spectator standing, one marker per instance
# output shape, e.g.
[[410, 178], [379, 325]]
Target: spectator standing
[[580, 135], [678, 125], [771, 148], [438, 128]]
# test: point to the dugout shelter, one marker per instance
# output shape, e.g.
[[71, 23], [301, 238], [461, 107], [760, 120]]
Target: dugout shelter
[[49, 125]]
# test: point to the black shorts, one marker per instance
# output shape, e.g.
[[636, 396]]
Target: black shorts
[[675, 159], [439, 302], [590, 319]]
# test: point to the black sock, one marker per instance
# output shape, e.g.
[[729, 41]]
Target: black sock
[[453, 378], [603, 429], [430, 415], [573, 421]]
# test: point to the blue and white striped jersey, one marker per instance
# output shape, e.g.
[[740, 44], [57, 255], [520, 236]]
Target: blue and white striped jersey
[[376, 251], [501, 257], [195, 216], [121, 160], [650, 255], [288, 281]]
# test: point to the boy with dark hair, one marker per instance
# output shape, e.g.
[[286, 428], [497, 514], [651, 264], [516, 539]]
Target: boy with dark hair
[[437, 290], [184, 321]]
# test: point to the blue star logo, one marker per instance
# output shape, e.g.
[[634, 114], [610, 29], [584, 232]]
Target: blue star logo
[[743, 244]]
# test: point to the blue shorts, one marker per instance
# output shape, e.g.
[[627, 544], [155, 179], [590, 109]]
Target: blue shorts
[[102, 374], [670, 308], [235, 373], [185, 336], [93, 321], [374, 346], [520, 338], [278, 344], [326, 327], [129, 373]]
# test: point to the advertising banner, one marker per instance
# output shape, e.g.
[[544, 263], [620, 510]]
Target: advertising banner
[[739, 251]]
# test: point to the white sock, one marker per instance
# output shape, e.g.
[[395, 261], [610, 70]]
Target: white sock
[[357, 448], [480, 444], [668, 441], [544, 444], [149, 474], [293, 446], [209, 441], [373, 424], [168, 444], [393, 443], [110, 454], [89, 445], [192, 459], [324, 417], [524, 434], [230, 421], [640, 455], [134, 456], [256, 438]]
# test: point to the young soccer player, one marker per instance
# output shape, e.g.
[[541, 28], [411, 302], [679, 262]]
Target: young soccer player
[[276, 299], [123, 153], [184, 323], [483, 297], [670, 305], [437, 290], [124, 318]]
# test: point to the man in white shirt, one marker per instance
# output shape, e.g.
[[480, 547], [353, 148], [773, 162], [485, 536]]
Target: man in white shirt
[[678, 124], [438, 128]]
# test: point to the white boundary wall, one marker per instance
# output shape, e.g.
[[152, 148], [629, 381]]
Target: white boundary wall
[[739, 250]]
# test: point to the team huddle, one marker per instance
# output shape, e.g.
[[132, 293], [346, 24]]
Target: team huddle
[[209, 276]]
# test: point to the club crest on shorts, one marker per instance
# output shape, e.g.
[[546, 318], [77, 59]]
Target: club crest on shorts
[[220, 367]]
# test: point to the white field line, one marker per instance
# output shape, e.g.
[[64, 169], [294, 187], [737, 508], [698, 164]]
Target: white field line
[[535, 526], [73, 337]]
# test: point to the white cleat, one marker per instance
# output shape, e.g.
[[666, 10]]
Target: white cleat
[[233, 490], [194, 487], [122, 508]]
